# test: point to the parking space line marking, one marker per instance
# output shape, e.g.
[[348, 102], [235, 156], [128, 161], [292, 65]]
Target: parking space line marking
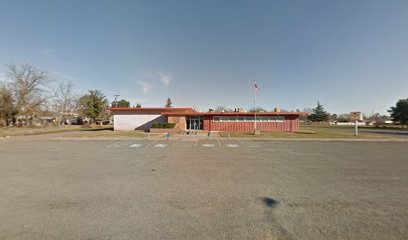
[[233, 145], [147, 145], [208, 145], [243, 144], [249, 145], [160, 145], [135, 145], [115, 144], [176, 142]]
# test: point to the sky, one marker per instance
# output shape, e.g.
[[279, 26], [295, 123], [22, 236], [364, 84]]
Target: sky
[[350, 55]]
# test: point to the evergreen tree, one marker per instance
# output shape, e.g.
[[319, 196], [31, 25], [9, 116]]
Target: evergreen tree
[[121, 104], [169, 104], [319, 114], [399, 113], [93, 105], [7, 105], [257, 109]]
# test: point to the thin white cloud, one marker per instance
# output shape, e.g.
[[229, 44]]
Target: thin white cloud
[[135, 100], [50, 52], [62, 75], [145, 86], [53, 54], [150, 75], [165, 78]]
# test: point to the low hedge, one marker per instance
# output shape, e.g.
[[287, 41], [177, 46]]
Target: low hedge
[[163, 125]]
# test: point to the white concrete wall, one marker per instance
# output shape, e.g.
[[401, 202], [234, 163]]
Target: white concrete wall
[[128, 120], [348, 123]]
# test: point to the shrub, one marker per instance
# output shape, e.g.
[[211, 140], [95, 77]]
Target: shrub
[[163, 125]]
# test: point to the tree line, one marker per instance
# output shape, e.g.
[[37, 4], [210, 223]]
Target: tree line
[[29, 96], [398, 113]]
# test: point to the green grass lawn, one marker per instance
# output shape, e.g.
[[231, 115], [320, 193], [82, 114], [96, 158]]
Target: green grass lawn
[[29, 131], [70, 132], [106, 134], [314, 132]]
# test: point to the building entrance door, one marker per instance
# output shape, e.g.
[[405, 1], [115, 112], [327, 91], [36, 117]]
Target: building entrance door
[[195, 123]]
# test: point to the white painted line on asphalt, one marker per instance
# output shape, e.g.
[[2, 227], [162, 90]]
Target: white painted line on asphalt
[[160, 145], [251, 145], [233, 145], [147, 145], [208, 145], [219, 144], [183, 144], [135, 145], [116, 144], [188, 139], [243, 144], [176, 142]]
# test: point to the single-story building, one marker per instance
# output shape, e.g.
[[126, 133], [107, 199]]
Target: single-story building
[[190, 119]]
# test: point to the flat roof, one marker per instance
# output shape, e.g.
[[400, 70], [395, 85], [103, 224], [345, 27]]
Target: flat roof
[[191, 111], [235, 113], [149, 109]]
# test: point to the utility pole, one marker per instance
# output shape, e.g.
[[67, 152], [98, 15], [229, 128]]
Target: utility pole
[[116, 100]]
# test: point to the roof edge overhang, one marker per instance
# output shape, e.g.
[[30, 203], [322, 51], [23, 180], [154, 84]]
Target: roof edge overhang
[[148, 109], [236, 113]]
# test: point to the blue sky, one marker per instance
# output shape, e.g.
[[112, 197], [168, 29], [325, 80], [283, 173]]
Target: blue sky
[[349, 55]]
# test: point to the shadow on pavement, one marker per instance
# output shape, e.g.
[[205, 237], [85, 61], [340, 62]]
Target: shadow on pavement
[[98, 129], [270, 202]]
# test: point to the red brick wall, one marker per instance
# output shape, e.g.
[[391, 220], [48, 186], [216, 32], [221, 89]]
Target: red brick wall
[[291, 124]]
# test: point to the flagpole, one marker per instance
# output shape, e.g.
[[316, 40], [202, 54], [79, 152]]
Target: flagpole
[[254, 110]]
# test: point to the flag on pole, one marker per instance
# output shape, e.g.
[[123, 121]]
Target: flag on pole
[[256, 86]]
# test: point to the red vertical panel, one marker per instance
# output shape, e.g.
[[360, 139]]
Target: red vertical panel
[[291, 123], [207, 123]]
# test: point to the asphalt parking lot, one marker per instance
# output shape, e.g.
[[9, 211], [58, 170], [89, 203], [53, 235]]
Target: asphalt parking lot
[[203, 189]]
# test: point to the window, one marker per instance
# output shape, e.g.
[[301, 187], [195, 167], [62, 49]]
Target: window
[[248, 118]]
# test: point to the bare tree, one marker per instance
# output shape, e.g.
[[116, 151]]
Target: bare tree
[[257, 109], [30, 87], [65, 102], [223, 109]]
